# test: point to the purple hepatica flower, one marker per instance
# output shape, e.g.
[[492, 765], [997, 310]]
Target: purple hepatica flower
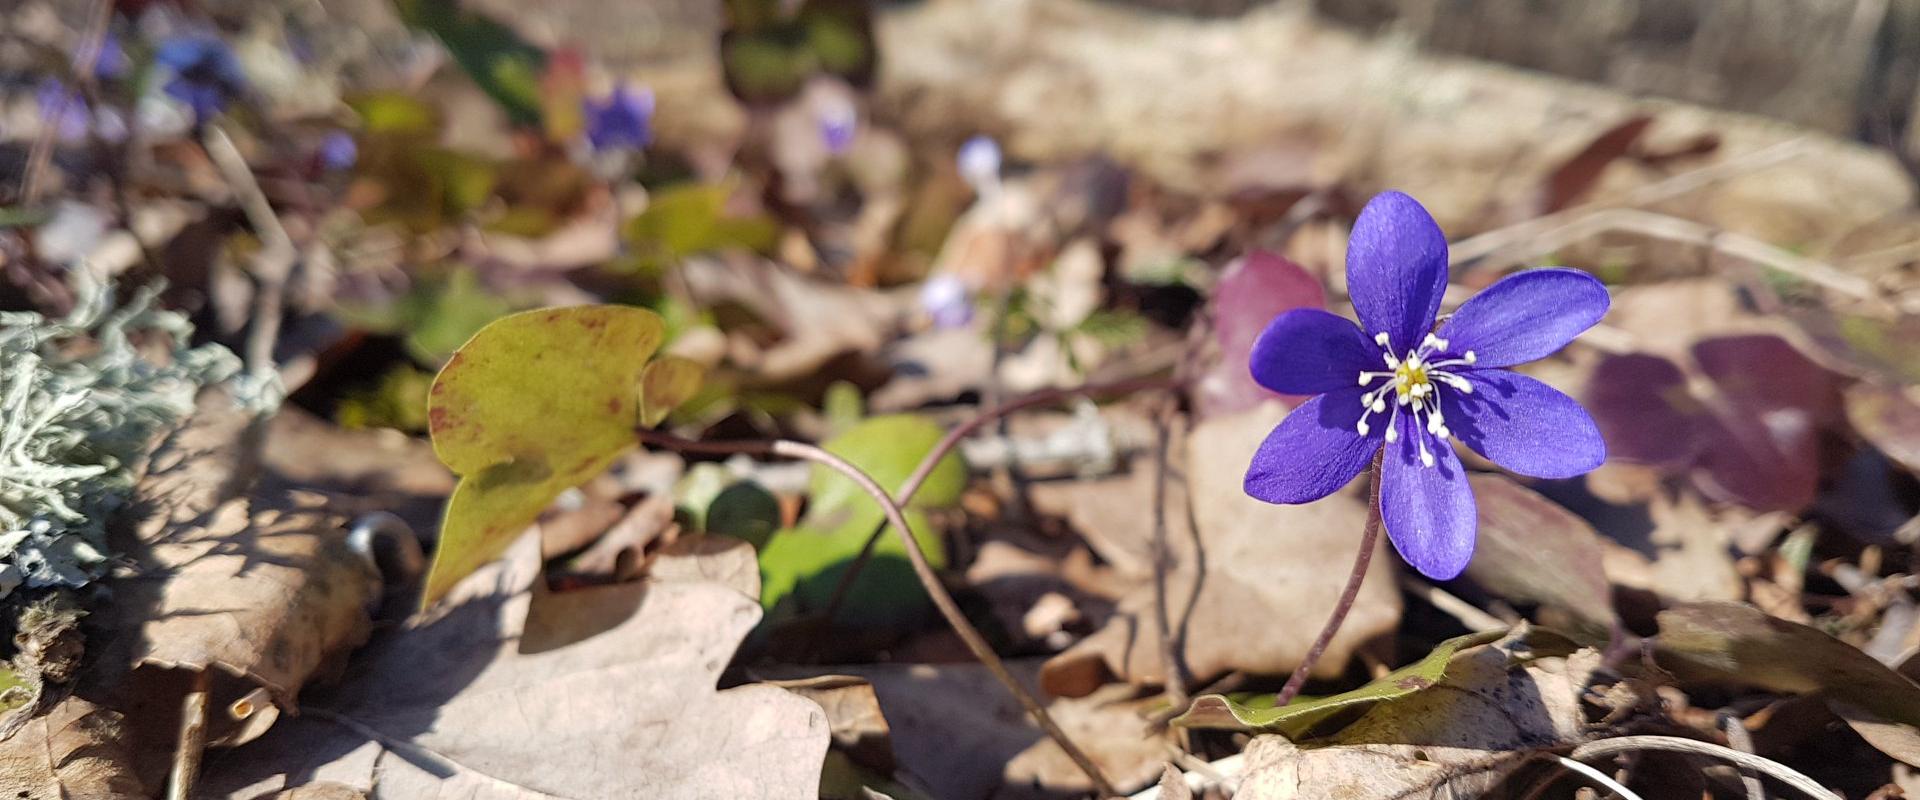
[[623, 122], [839, 122], [1401, 385], [337, 151], [64, 109], [979, 163], [944, 298], [206, 76]]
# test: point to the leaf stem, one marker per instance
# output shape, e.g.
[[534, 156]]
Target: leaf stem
[[961, 432], [1369, 538], [949, 609]]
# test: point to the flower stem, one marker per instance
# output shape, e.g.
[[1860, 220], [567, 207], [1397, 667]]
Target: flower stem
[[957, 619], [1369, 537]]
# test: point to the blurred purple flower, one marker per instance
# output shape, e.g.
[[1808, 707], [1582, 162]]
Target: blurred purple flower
[[979, 163], [338, 151], [623, 121], [839, 122], [946, 301], [111, 63], [205, 74], [1436, 386], [64, 109]]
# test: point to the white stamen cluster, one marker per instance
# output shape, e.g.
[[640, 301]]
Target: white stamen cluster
[[1414, 383]]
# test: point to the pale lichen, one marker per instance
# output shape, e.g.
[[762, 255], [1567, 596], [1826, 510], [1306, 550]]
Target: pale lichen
[[81, 398]]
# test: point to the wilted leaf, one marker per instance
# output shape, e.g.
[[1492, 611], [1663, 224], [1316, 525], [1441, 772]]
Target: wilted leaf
[[805, 562], [454, 705], [1462, 742], [1296, 719], [1740, 644], [1531, 550], [1253, 291], [1577, 176], [263, 588], [73, 750], [1889, 419], [1753, 438], [1643, 409], [1248, 592], [536, 403], [666, 383], [956, 731]]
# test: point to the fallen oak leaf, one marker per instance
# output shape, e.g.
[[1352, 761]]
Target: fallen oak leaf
[[75, 749], [629, 712]]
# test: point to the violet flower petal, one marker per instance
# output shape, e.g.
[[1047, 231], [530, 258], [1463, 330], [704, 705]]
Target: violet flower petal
[[1524, 425], [1314, 451], [1525, 316], [1310, 351], [1396, 269], [1428, 511]]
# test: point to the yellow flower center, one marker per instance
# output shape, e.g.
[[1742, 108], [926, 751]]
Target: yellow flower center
[[1409, 374]]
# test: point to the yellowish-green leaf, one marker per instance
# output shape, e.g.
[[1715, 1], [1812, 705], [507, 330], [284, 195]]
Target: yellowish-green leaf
[[666, 383], [534, 404], [1257, 712], [395, 113], [684, 220], [801, 566]]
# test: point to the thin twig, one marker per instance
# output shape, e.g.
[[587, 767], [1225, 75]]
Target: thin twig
[[274, 266], [1369, 537], [1675, 744], [41, 156], [1675, 229], [1742, 740], [953, 439], [1598, 777], [193, 738], [1481, 246], [929, 580], [1176, 677]]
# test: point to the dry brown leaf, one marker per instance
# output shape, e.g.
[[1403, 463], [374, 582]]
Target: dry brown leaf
[[820, 320], [74, 750], [613, 698], [325, 790], [1532, 550], [265, 589], [1252, 590], [1458, 743], [957, 732]]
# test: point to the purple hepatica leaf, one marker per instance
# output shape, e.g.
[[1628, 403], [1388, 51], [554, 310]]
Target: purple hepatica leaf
[[205, 74], [1254, 290], [1395, 385], [1754, 440], [622, 122]]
